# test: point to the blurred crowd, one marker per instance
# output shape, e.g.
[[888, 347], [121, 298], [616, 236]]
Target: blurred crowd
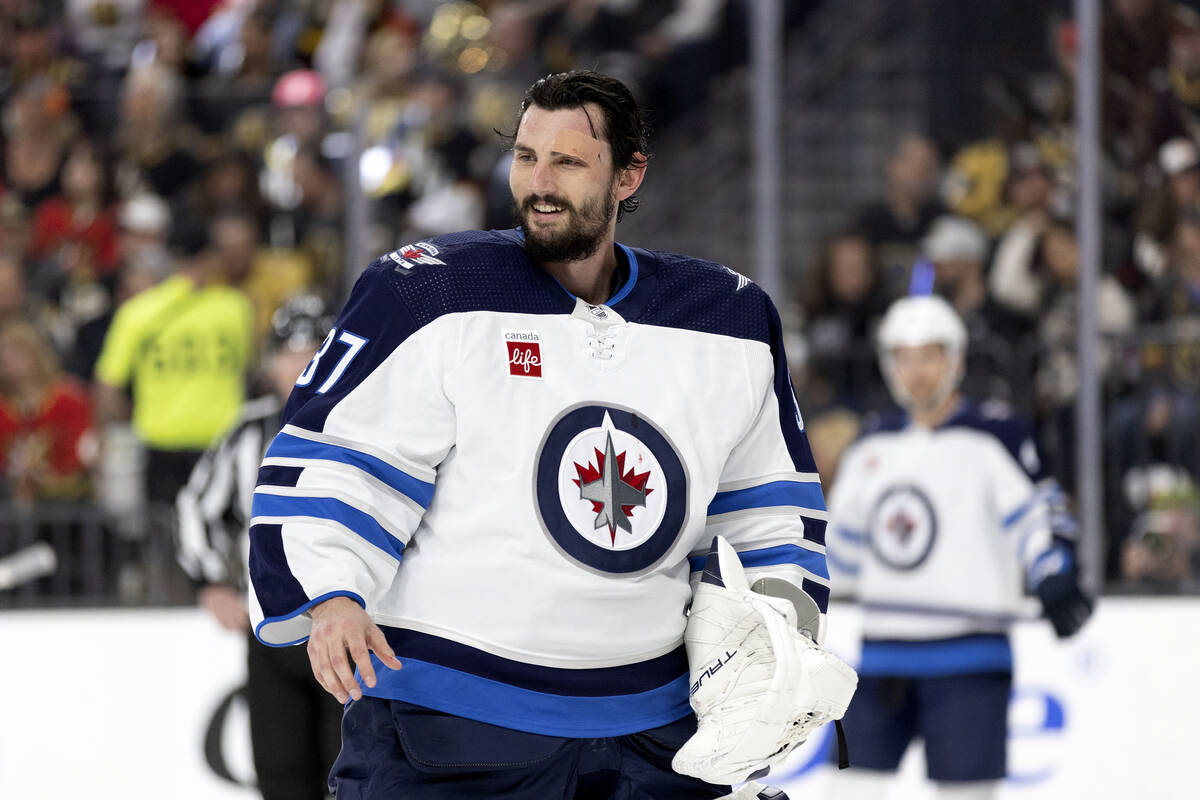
[[990, 225], [173, 171]]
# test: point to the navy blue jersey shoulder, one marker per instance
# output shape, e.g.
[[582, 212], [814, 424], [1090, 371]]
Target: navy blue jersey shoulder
[[704, 296], [471, 271], [1009, 428]]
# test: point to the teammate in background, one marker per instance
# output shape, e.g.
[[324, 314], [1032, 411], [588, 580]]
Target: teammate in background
[[294, 724], [505, 466], [939, 519]]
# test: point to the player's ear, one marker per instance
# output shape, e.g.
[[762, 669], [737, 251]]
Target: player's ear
[[631, 177]]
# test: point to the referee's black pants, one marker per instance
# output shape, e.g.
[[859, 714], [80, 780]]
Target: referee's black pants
[[295, 725]]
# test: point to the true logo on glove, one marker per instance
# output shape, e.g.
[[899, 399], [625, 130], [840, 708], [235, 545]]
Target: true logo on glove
[[712, 670]]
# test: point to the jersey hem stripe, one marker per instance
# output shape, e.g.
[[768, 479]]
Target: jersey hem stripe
[[473, 697]]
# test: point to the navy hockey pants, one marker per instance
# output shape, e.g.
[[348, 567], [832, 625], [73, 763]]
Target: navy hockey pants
[[392, 750], [962, 718]]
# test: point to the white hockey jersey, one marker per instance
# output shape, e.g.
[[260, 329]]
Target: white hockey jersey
[[517, 485], [936, 533]]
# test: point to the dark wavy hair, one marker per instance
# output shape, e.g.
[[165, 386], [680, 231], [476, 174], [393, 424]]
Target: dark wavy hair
[[624, 125]]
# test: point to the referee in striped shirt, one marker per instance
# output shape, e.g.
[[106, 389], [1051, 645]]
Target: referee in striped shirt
[[295, 726]]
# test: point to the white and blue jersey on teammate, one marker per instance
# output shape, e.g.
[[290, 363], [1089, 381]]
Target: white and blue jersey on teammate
[[519, 487], [937, 530]]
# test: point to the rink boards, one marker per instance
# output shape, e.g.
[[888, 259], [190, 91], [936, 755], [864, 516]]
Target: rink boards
[[130, 704]]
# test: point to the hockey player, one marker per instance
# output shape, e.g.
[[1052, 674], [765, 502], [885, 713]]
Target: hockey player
[[938, 520], [500, 476], [294, 725]]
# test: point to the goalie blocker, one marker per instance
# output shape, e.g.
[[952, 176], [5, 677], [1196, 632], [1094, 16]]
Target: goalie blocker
[[760, 685]]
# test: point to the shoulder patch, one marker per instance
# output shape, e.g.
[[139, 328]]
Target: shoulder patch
[[408, 257], [742, 280]]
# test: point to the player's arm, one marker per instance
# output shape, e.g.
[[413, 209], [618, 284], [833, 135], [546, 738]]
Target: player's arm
[[769, 504], [760, 681], [1037, 523], [345, 483]]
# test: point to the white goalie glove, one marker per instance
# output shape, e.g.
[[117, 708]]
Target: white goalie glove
[[759, 686]]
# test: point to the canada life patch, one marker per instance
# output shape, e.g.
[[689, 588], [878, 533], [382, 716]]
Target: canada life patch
[[524, 350]]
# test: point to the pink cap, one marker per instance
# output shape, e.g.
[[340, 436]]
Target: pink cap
[[300, 87]]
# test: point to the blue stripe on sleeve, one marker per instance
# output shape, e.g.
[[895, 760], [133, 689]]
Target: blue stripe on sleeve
[[853, 537], [767, 495], [840, 564], [286, 445], [1015, 517], [362, 523], [769, 556]]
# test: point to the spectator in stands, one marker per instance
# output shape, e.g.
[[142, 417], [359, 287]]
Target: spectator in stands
[[145, 223], [39, 129], [82, 214], [45, 420], [228, 181], [16, 231], [451, 197], [1163, 546], [242, 74], [957, 250], [1135, 41], [299, 122], [1183, 72], [1035, 198], [1057, 378], [104, 33], [182, 348], [318, 221], [896, 224], [151, 134], [266, 276], [842, 303], [299, 99], [1164, 205], [674, 43], [1176, 296], [17, 303]]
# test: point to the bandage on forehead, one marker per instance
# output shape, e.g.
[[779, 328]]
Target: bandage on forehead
[[580, 145]]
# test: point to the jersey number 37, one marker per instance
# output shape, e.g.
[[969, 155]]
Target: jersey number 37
[[354, 343]]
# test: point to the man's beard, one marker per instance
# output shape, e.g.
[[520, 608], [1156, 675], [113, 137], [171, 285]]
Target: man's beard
[[585, 231]]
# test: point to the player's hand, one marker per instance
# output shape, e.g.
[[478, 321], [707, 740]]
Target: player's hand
[[1065, 604], [340, 625], [227, 605]]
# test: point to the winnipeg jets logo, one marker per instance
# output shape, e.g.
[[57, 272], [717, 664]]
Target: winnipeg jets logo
[[612, 492], [903, 527], [407, 257]]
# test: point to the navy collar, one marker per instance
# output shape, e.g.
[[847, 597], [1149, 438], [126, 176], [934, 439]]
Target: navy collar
[[632, 293]]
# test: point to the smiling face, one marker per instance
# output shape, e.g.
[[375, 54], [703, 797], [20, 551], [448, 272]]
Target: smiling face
[[565, 188]]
